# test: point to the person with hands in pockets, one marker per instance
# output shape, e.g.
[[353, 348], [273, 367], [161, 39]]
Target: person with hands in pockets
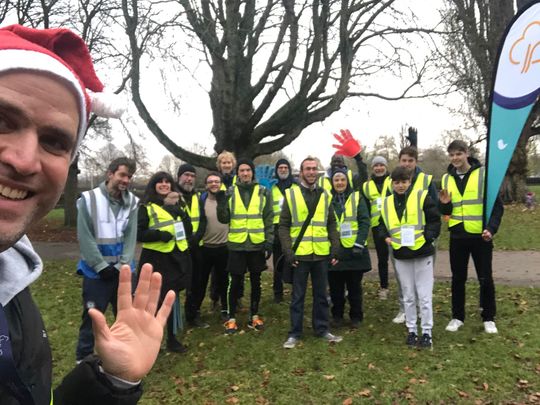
[[352, 217], [410, 224], [247, 208]]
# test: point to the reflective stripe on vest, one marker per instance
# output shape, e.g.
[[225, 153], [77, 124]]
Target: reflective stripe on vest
[[163, 221], [108, 228], [194, 214], [413, 215], [371, 193], [277, 203], [422, 182], [315, 239], [248, 221], [467, 208], [325, 182], [350, 215]]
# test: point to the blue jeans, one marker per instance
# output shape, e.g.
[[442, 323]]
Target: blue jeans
[[100, 293], [320, 312]]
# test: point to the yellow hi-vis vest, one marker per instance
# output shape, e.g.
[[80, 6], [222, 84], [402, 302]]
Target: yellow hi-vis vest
[[326, 182], [467, 208], [248, 221], [277, 202], [315, 239], [349, 215], [375, 198], [422, 182], [194, 214], [413, 215], [224, 187], [161, 220]]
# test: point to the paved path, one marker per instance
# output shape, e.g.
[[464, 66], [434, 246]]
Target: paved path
[[509, 267]]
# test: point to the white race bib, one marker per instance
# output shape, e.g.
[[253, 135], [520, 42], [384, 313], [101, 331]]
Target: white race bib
[[378, 201], [346, 230], [407, 235], [281, 203], [179, 231]]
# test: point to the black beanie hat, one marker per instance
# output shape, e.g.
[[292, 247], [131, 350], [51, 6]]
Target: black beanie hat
[[282, 162], [186, 167], [245, 161], [341, 170]]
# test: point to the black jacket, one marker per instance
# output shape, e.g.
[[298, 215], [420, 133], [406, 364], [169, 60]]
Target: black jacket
[[84, 385], [458, 230]]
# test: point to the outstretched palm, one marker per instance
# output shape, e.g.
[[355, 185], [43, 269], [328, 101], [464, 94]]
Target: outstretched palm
[[130, 347]]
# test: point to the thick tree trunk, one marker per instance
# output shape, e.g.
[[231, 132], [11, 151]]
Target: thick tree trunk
[[71, 194]]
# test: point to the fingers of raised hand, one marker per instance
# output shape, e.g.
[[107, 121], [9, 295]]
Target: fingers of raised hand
[[339, 138], [153, 296], [165, 309], [346, 134], [143, 287], [99, 324], [124, 288]]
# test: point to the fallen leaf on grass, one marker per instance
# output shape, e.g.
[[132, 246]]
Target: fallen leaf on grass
[[299, 371], [371, 366], [234, 388], [463, 394], [347, 401], [329, 377], [364, 393], [408, 370], [522, 384], [232, 400]]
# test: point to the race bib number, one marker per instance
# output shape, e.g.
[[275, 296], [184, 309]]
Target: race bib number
[[407, 235], [281, 203], [378, 201], [179, 231], [346, 230]]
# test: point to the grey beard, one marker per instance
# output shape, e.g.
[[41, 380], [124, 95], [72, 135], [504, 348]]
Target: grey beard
[[283, 176]]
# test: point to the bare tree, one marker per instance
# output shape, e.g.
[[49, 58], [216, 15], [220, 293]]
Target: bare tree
[[475, 30], [276, 66]]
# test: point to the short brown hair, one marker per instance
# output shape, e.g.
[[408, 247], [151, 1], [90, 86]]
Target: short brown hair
[[401, 173], [308, 159], [458, 145], [409, 151], [122, 161]]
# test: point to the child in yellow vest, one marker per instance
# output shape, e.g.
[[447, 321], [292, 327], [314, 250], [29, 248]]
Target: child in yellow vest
[[410, 223]]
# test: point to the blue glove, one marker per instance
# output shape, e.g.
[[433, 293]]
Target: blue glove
[[265, 175]]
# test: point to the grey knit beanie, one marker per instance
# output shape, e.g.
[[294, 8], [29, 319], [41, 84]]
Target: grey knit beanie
[[379, 160]]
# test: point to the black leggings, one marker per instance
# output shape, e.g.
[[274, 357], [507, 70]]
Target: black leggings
[[235, 283]]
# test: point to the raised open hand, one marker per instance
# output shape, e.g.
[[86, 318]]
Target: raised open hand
[[348, 146], [265, 175], [130, 347]]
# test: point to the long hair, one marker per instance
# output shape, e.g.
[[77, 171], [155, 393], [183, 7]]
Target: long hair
[[150, 194]]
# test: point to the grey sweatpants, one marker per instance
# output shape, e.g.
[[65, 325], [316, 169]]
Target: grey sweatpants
[[416, 280]]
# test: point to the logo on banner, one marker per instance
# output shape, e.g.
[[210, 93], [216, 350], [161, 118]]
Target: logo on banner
[[524, 48]]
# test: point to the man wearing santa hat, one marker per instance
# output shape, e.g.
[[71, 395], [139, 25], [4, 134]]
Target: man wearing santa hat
[[47, 91]]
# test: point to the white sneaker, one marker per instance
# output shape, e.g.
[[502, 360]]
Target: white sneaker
[[330, 338], [383, 294], [400, 317], [490, 327], [454, 325], [290, 343]]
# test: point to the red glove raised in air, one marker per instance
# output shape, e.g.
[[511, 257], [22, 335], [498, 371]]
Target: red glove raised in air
[[348, 146]]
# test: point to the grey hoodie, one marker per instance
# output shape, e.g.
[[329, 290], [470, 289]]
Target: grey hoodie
[[20, 266]]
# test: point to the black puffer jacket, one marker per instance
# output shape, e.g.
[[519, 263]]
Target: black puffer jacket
[[85, 385]]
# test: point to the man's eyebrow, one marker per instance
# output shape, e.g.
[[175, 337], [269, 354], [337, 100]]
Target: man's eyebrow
[[9, 108]]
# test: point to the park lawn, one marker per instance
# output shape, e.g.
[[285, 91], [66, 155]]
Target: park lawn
[[371, 364]]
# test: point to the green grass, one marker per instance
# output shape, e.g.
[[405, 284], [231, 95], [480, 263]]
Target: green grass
[[371, 364], [56, 216]]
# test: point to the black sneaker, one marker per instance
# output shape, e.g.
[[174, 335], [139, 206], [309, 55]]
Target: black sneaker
[[355, 323], [412, 339], [198, 323], [425, 342], [175, 346]]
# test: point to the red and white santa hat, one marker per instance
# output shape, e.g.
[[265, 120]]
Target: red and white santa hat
[[62, 54]]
